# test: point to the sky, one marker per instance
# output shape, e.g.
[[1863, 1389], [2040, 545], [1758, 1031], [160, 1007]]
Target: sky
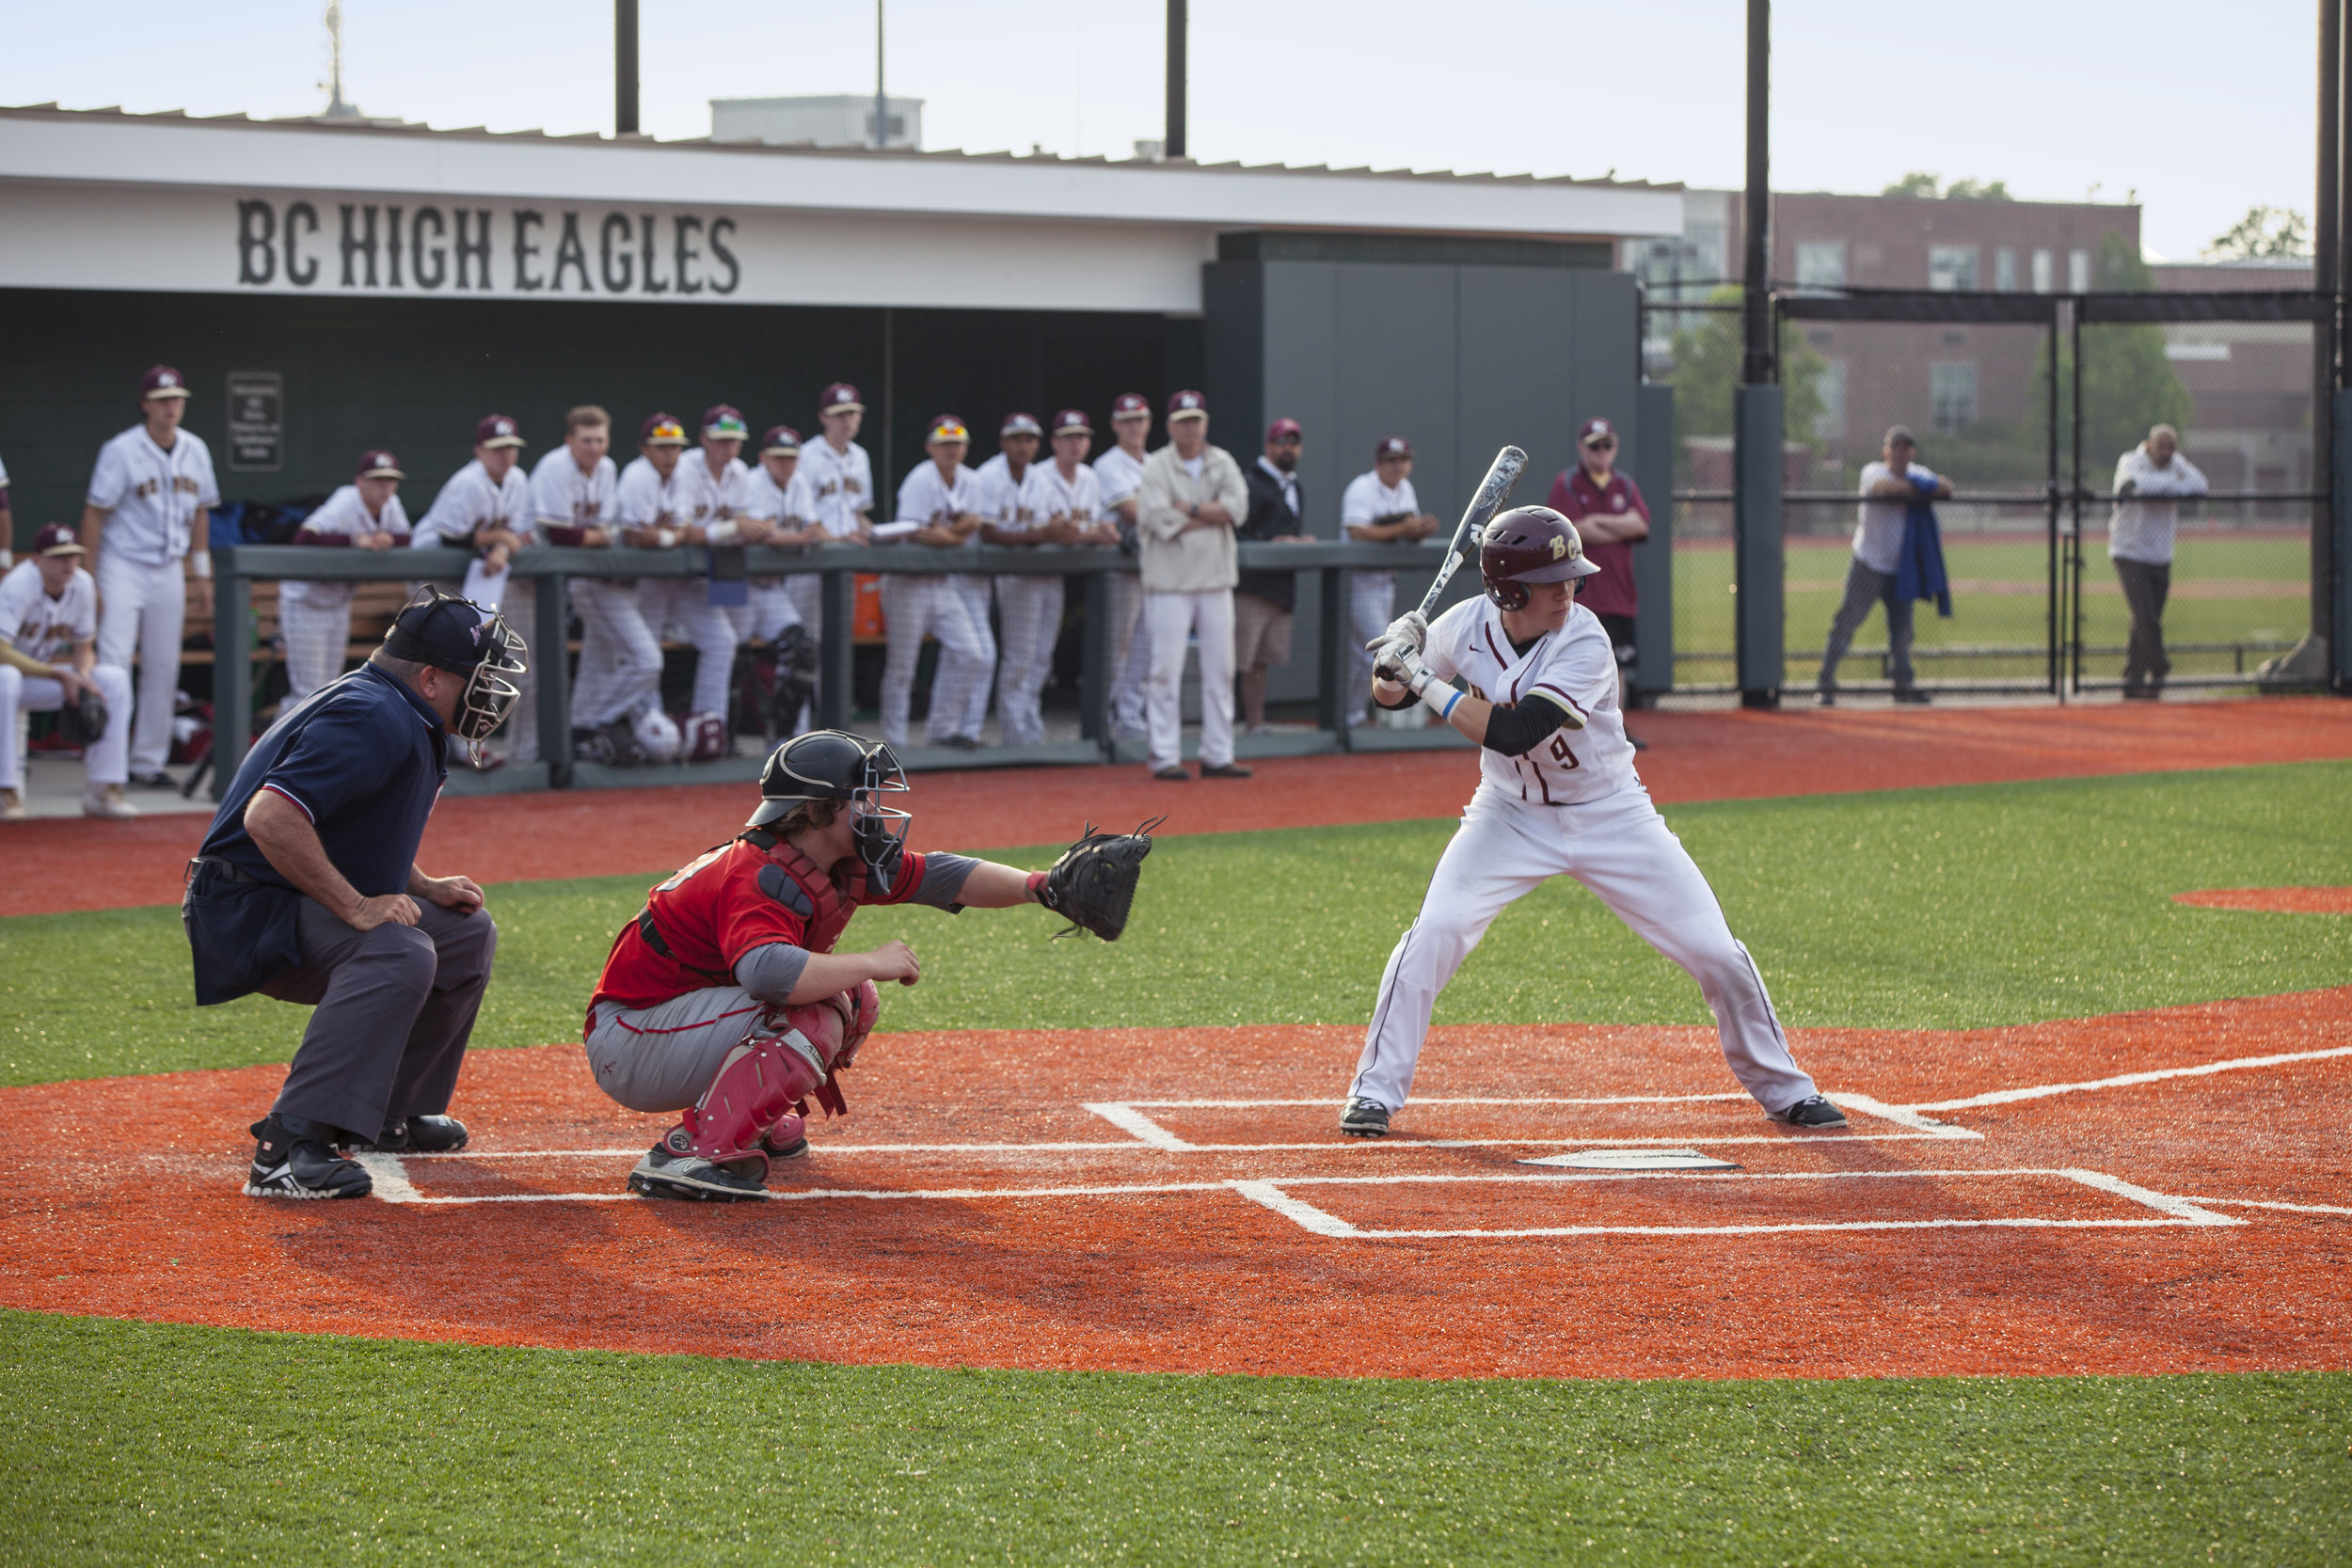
[[2200, 118]]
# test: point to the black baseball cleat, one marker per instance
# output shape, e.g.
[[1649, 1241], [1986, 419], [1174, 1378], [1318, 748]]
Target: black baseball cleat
[[1826, 697], [1226, 770], [666, 1172], [1812, 1111], [1174, 775], [294, 1157], [1364, 1118], [416, 1136], [153, 779]]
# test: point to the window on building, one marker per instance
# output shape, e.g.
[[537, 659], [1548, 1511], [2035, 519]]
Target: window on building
[[1821, 263], [2077, 272], [1952, 268], [1831, 424], [2044, 277], [2005, 271], [1953, 395]]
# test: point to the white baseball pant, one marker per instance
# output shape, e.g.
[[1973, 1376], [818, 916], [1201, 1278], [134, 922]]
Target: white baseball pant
[[1370, 596], [142, 610], [977, 597], [620, 657], [914, 607], [107, 763], [1028, 614], [519, 734], [314, 618], [770, 612], [1131, 653], [1174, 619], [1620, 848], [684, 603]]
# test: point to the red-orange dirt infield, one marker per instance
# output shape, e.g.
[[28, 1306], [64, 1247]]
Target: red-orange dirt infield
[[2274, 900], [60, 866], [1180, 1200]]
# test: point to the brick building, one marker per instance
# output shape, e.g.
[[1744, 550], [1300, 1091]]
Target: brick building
[[2250, 381]]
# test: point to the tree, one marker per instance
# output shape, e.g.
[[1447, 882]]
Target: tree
[[2128, 384], [1916, 184], [1707, 367], [1921, 186], [2264, 233]]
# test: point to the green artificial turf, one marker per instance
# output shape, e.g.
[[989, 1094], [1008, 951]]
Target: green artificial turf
[[142, 1443], [1947, 908]]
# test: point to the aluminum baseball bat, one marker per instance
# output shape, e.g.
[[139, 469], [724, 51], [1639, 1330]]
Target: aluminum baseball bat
[[1492, 492]]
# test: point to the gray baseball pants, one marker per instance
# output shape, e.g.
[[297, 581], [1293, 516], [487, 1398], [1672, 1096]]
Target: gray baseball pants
[[395, 1008], [662, 1057]]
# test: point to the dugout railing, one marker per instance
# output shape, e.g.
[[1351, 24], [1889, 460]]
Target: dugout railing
[[546, 574]]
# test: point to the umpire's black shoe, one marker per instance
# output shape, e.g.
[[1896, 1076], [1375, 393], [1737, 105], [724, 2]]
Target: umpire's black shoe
[[1812, 1111], [418, 1135], [294, 1157], [1364, 1118], [666, 1172]]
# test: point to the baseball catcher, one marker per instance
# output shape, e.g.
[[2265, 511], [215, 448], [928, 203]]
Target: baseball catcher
[[1557, 797], [724, 999]]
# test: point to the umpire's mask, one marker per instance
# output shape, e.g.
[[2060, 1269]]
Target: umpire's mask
[[460, 636]]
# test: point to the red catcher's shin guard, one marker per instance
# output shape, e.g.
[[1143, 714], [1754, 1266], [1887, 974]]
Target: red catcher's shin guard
[[753, 1089]]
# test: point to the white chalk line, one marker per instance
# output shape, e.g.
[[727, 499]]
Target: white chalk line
[[2158, 1075], [1351, 1146], [2273, 1203]]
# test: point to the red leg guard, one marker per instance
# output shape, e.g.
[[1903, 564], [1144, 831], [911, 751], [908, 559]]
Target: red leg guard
[[755, 1087]]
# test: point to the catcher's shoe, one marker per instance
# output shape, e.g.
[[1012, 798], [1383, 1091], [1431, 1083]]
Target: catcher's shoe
[[299, 1162], [1812, 1111], [1364, 1118], [12, 805], [672, 1172], [106, 800], [416, 1136], [787, 1140]]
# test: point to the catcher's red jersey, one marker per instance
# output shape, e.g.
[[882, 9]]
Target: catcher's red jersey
[[720, 907]]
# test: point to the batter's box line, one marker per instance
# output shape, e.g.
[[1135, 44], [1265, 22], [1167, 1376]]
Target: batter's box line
[[1129, 1117]]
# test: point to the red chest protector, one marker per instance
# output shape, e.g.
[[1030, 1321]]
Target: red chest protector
[[801, 885]]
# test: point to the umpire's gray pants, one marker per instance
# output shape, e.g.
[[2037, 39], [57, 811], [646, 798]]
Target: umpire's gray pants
[[395, 1008], [662, 1057], [1865, 588]]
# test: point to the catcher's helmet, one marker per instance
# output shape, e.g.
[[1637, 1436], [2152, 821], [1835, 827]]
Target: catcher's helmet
[[833, 765], [1529, 544]]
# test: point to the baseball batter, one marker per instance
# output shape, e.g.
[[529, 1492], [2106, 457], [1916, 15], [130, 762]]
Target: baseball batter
[[49, 658], [148, 526], [1557, 797], [316, 617], [486, 508], [1379, 508], [942, 498], [1119, 471], [724, 997]]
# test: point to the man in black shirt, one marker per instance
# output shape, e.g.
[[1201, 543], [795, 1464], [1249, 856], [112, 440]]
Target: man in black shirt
[[1263, 601]]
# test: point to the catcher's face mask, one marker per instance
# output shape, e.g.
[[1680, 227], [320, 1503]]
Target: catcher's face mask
[[880, 831]]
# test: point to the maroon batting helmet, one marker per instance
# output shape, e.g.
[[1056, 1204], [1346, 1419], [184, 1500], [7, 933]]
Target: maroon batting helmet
[[1529, 544]]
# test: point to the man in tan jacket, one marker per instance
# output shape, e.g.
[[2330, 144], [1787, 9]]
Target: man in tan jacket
[[1191, 496]]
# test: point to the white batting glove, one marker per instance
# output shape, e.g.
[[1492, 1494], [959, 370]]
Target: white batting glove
[[1410, 628]]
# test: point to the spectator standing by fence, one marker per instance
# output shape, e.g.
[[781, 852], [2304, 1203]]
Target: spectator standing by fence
[[2148, 481], [1889, 489], [1377, 508], [1191, 496], [316, 616], [1610, 517], [148, 523], [1264, 602]]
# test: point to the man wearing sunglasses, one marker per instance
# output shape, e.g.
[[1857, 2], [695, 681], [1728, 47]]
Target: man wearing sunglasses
[[1612, 517]]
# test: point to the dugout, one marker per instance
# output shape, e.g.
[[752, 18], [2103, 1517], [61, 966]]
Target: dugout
[[383, 284]]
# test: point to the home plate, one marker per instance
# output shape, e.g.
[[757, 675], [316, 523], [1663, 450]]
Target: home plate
[[1633, 1159]]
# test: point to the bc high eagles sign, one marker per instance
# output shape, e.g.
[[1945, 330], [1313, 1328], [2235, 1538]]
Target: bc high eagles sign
[[386, 247]]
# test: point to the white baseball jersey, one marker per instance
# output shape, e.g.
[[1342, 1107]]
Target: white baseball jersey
[[791, 506], [1120, 475], [1575, 668], [702, 497], [1367, 501], [925, 498], [842, 482], [39, 626], [1001, 494], [1045, 495], [564, 497], [151, 494], [470, 501], [644, 498], [344, 515]]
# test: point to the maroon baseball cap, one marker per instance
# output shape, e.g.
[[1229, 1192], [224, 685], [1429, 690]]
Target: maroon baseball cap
[[1128, 405], [1187, 406], [1284, 430], [497, 430], [782, 438], [661, 430], [1071, 421], [1019, 424], [162, 381], [724, 421], [1392, 445], [379, 464], [56, 539], [1594, 429], [840, 398]]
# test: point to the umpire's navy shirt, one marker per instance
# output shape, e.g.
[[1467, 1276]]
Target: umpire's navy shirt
[[364, 758]]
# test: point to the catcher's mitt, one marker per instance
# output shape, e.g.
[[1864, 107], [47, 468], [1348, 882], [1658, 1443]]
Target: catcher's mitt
[[83, 721], [1094, 881]]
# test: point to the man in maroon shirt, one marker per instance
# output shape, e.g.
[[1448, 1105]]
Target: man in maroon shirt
[[1612, 517]]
